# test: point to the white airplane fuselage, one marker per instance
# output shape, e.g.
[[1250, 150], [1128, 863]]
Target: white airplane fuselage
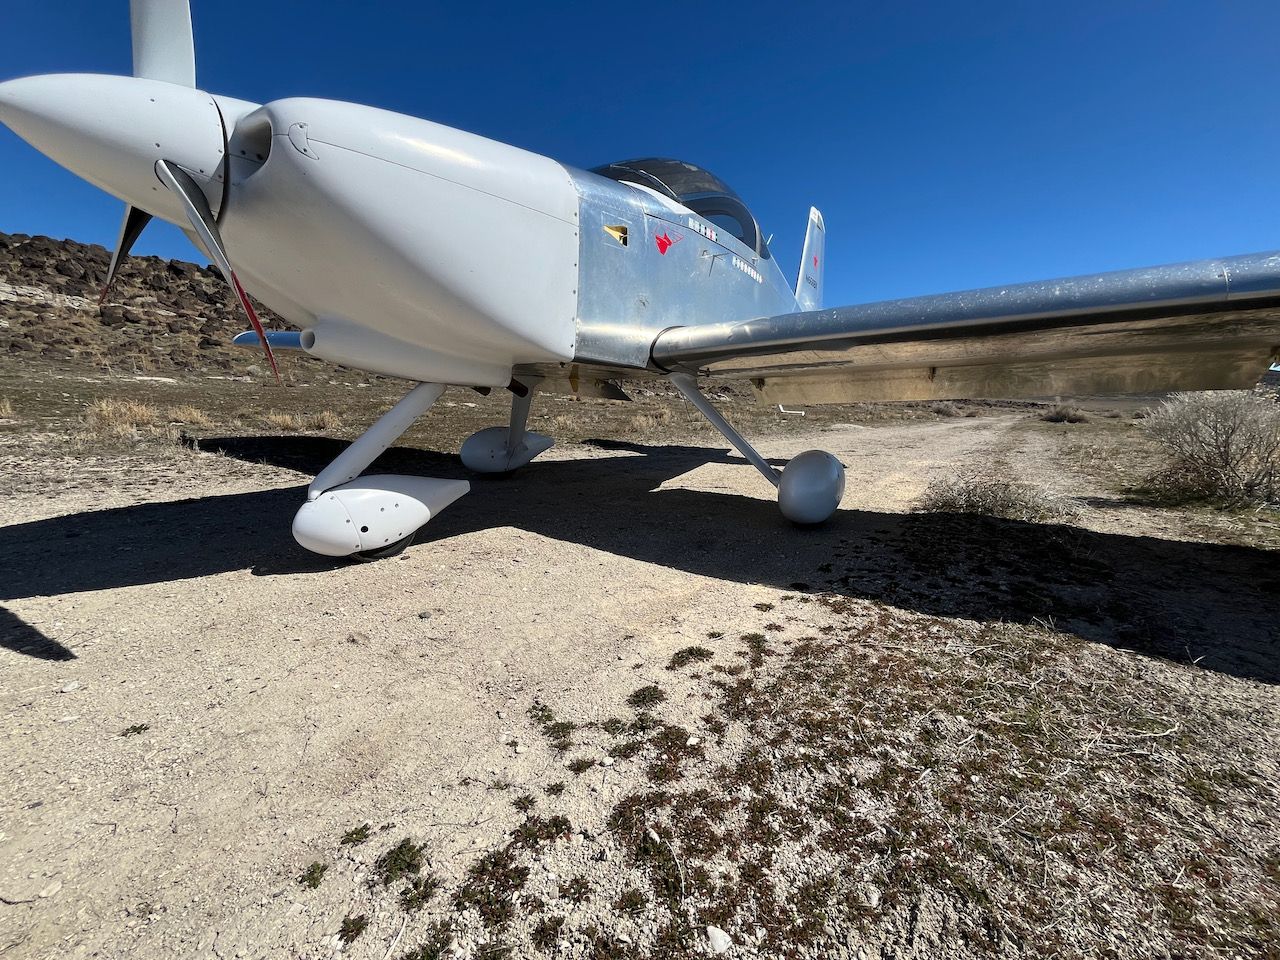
[[405, 247]]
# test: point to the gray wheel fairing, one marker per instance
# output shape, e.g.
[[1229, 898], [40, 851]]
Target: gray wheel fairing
[[811, 488]]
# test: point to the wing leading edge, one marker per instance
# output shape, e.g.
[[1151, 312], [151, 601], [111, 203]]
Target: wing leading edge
[[1208, 324]]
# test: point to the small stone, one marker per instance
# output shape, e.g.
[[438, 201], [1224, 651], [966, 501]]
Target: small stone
[[718, 940], [425, 615], [358, 637], [51, 889], [607, 762], [73, 685], [693, 741], [520, 748], [872, 898], [623, 938]]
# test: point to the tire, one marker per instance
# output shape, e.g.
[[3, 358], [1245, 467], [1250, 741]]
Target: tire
[[382, 553]]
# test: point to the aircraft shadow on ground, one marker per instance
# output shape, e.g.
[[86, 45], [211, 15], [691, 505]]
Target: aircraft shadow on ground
[[1180, 600]]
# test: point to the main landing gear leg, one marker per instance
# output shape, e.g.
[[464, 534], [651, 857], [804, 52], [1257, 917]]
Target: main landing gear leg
[[503, 449], [376, 516], [810, 485]]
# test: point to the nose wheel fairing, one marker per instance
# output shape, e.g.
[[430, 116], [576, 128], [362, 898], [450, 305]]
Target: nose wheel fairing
[[371, 516]]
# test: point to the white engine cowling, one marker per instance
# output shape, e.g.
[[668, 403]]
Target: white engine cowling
[[369, 513]]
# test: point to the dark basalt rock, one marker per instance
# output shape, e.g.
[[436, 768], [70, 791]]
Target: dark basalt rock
[[169, 316]]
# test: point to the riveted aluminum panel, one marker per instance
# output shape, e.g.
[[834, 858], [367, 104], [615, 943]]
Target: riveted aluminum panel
[[669, 273]]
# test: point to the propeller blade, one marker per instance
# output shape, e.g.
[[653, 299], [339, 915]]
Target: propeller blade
[[206, 229], [163, 46], [134, 222]]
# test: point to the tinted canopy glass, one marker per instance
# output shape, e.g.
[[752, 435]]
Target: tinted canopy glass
[[700, 190]]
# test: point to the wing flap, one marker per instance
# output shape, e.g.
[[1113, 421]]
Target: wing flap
[[1204, 325]]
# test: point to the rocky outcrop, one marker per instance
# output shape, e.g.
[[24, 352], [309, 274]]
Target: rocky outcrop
[[166, 316]]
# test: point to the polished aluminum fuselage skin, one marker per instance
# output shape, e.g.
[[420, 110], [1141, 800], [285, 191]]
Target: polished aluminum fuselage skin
[[676, 269]]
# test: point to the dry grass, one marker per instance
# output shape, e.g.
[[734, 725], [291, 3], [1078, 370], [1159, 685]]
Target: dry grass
[[643, 423], [112, 419], [282, 421], [995, 497], [945, 408], [323, 421], [6, 407], [190, 415], [1221, 447], [1063, 413]]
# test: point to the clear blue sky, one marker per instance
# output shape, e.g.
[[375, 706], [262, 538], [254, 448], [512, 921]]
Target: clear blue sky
[[948, 145]]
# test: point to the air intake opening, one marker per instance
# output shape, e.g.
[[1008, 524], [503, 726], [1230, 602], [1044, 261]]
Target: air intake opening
[[251, 139]]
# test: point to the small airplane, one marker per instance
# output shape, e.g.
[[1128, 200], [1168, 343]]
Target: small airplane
[[407, 248]]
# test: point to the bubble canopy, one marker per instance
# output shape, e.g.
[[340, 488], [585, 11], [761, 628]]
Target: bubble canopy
[[700, 190]]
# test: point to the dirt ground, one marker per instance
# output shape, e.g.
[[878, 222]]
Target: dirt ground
[[897, 735]]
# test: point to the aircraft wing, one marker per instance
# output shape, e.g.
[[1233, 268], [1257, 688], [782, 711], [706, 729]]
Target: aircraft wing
[[1209, 324]]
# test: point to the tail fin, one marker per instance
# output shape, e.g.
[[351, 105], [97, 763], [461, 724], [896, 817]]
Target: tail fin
[[809, 283]]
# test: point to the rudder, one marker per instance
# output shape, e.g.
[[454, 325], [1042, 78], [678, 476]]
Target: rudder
[[809, 282]]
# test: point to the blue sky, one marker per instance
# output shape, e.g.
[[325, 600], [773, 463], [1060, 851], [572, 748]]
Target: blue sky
[[948, 145]]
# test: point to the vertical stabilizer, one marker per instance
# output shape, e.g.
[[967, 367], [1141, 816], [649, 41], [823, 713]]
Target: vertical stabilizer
[[809, 283]]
